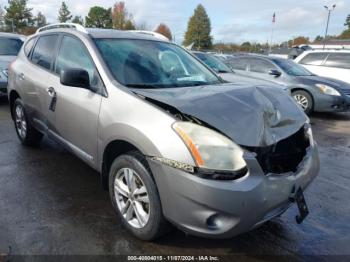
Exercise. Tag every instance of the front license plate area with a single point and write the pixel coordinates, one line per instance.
(303, 210)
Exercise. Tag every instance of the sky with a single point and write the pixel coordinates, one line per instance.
(233, 21)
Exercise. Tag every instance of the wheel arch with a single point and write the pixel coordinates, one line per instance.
(114, 149)
(12, 98)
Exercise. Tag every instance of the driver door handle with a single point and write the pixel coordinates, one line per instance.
(51, 91)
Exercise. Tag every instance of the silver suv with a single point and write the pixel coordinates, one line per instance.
(173, 143)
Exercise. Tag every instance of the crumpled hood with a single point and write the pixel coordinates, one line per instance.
(5, 61)
(252, 116)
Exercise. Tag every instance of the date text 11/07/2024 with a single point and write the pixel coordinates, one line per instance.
(173, 258)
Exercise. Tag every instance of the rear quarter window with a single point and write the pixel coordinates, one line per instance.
(340, 60)
(314, 59)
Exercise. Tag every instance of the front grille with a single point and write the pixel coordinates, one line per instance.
(284, 156)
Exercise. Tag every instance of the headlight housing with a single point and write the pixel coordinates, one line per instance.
(209, 149)
(328, 90)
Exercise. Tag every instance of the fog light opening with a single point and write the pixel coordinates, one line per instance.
(213, 222)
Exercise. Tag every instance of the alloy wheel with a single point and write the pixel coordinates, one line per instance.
(20, 120)
(302, 101)
(132, 197)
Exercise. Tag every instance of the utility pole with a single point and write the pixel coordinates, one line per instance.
(329, 15)
(272, 28)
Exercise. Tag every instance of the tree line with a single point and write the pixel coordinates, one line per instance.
(18, 17)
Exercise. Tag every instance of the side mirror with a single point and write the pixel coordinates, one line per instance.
(275, 73)
(75, 77)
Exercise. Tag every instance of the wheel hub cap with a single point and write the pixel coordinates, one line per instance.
(132, 197)
(21, 123)
(302, 101)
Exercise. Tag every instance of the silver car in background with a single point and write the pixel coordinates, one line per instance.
(10, 44)
(172, 142)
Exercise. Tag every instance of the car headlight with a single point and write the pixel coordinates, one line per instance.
(328, 90)
(210, 149)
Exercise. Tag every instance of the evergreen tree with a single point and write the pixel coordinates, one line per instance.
(2, 19)
(347, 21)
(99, 17)
(198, 30)
(64, 15)
(40, 20)
(78, 20)
(18, 15)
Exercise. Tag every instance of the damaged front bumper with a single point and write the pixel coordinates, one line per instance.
(327, 103)
(223, 209)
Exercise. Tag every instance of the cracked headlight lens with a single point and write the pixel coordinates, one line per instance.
(210, 149)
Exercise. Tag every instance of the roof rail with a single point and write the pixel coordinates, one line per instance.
(151, 33)
(78, 27)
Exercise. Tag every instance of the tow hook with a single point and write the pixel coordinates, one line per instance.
(302, 206)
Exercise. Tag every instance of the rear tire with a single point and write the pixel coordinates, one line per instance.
(26, 133)
(304, 100)
(141, 213)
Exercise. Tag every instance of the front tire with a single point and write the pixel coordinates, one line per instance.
(135, 197)
(26, 133)
(304, 100)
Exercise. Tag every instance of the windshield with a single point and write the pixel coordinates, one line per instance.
(10, 46)
(292, 68)
(152, 64)
(214, 63)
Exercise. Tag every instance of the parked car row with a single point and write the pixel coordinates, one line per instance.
(312, 92)
(174, 143)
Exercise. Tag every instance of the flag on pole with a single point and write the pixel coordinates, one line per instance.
(274, 18)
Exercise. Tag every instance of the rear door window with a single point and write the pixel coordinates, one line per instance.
(314, 59)
(260, 66)
(44, 51)
(340, 60)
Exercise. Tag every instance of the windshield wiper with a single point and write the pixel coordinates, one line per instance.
(150, 86)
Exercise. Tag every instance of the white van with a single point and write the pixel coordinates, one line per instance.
(327, 63)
